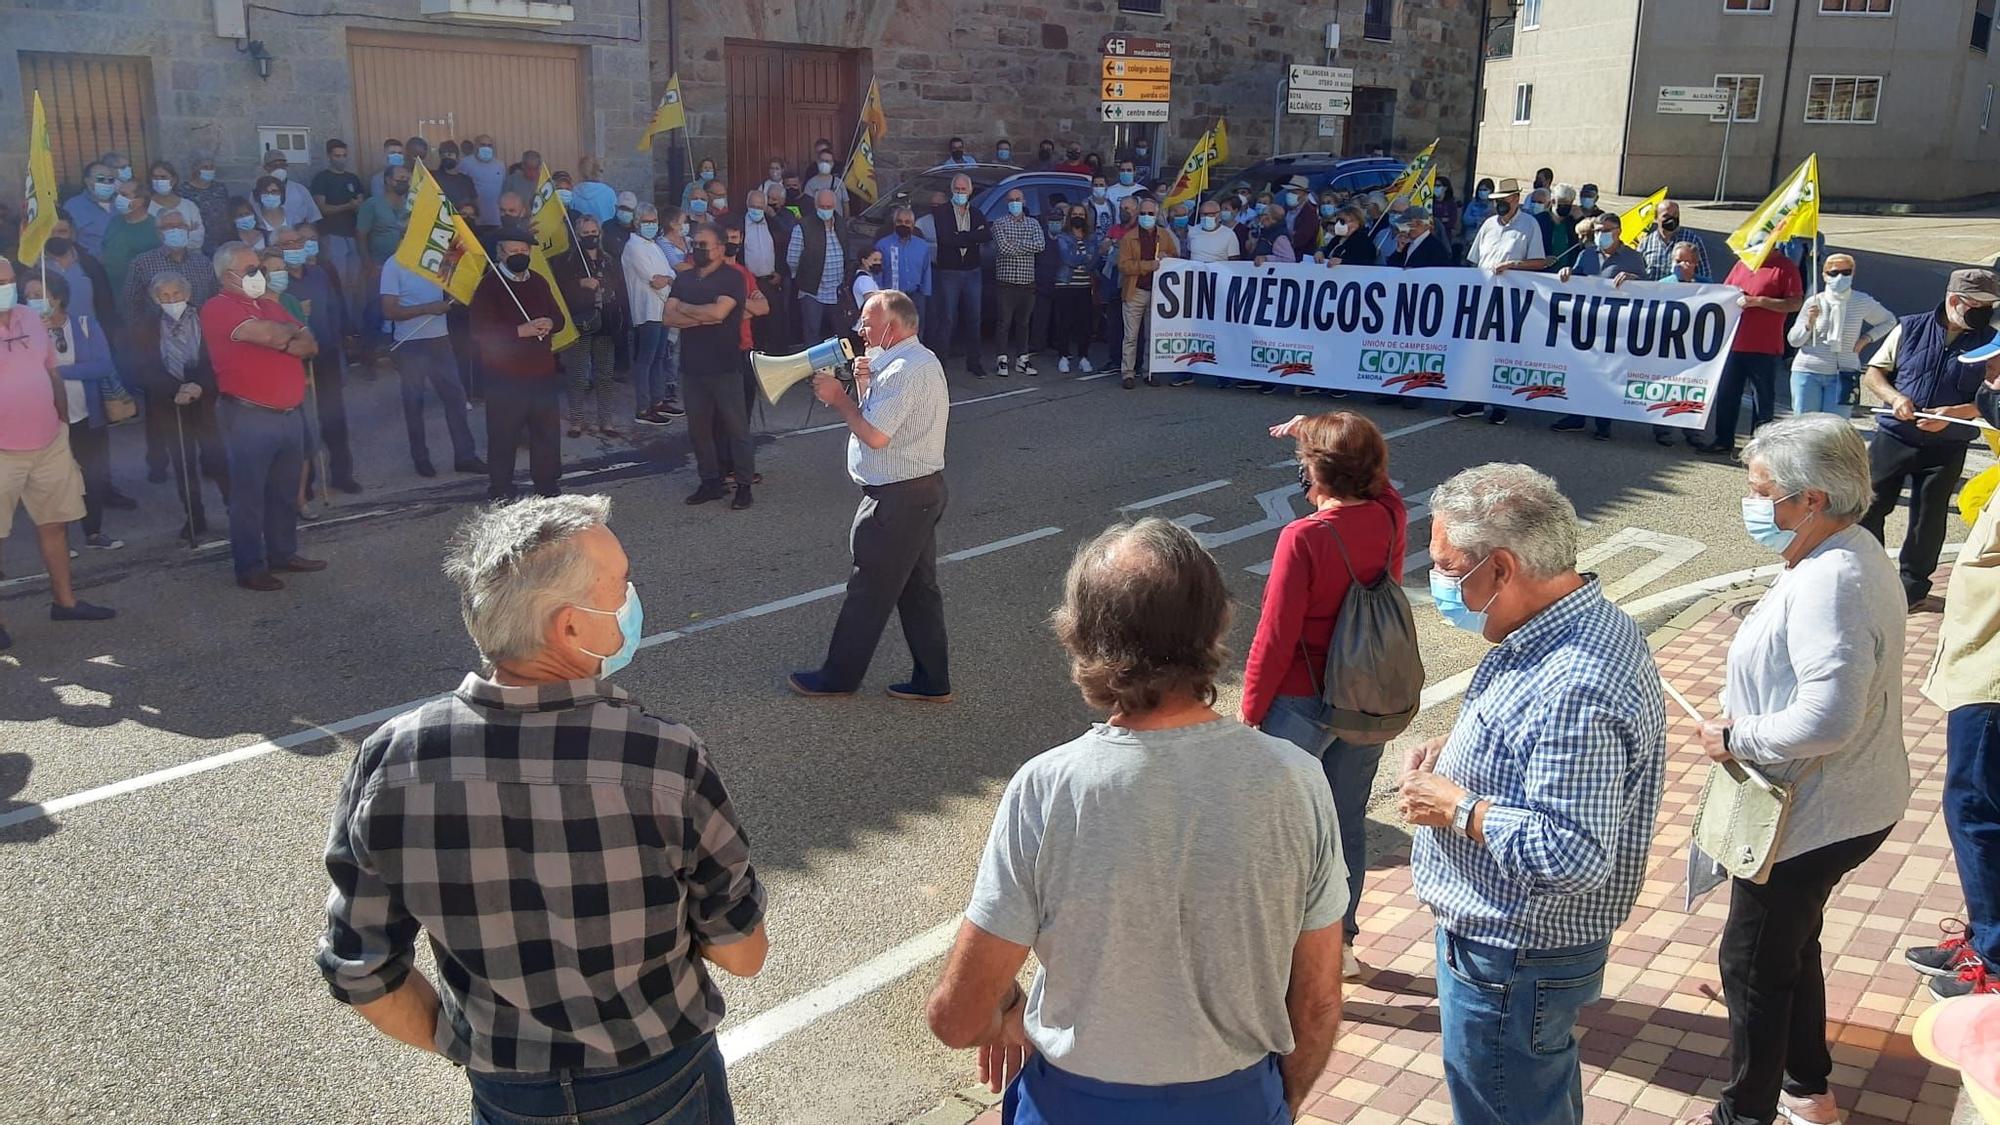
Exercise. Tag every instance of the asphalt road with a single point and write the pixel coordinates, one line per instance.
(158, 942)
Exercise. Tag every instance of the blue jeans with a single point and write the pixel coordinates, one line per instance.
(685, 1086)
(1817, 394)
(1350, 772)
(1045, 1095)
(421, 362)
(652, 366)
(957, 309)
(1508, 1018)
(1972, 817)
(266, 450)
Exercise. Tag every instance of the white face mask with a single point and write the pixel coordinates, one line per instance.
(1343, 228)
(279, 174)
(9, 294)
(254, 285)
(174, 309)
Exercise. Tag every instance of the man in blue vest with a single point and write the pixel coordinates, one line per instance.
(1918, 369)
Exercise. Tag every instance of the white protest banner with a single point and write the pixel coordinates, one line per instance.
(1641, 352)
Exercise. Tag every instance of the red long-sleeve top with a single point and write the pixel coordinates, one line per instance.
(1308, 582)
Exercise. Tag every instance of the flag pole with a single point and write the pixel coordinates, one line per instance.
(575, 240)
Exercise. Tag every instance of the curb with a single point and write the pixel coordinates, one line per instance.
(958, 1109)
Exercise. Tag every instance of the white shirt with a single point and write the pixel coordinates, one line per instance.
(642, 259)
(760, 253)
(1218, 245)
(864, 284)
(76, 398)
(1829, 348)
(411, 289)
(299, 204)
(908, 400)
(1117, 193)
(1516, 240)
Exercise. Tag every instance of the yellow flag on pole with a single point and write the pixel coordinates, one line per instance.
(1792, 211)
(38, 207)
(670, 115)
(539, 262)
(1413, 176)
(1221, 140)
(1194, 176)
(438, 246)
(551, 226)
(1428, 190)
(872, 115)
(1633, 224)
(860, 177)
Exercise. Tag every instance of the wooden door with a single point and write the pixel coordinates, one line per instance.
(782, 98)
(95, 104)
(528, 95)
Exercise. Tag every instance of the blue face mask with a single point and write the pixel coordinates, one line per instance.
(707, 175)
(485, 152)
(1606, 240)
(295, 257)
(269, 201)
(698, 206)
(649, 231)
(565, 195)
(1447, 595)
(755, 216)
(960, 199)
(825, 214)
(625, 215)
(1014, 206)
(1586, 201)
(1760, 519)
(1126, 178)
(1147, 222)
(280, 282)
(1055, 227)
(1180, 222)
(103, 191)
(246, 222)
(394, 160)
(38, 305)
(175, 237)
(312, 247)
(1208, 222)
(1328, 210)
(205, 175)
(631, 622)
(1004, 154)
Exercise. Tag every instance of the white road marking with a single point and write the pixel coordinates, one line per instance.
(760, 1031)
(579, 473)
(56, 805)
(1089, 378)
(1170, 497)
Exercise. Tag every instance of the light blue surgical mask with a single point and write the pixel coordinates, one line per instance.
(205, 175)
(1533, 208)
(103, 191)
(631, 623)
(280, 282)
(564, 194)
(176, 238)
(269, 201)
(706, 175)
(312, 247)
(246, 222)
(295, 257)
(1328, 210)
(649, 231)
(825, 214)
(125, 173)
(1586, 201)
(960, 199)
(1291, 199)
(1760, 519)
(625, 215)
(1229, 217)
(755, 216)
(485, 152)
(1840, 283)
(1126, 178)
(1015, 206)
(1004, 154)
(698, 206)
(1449, 597)
(122, 205)
(1148, 222)
(1606, 239)
(1208, 222)
(395, 160)
(38, 305)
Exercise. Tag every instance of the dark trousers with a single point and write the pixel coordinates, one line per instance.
(956, 304)
(330, 384)
(421, 363)
(685, 1086)
(194, 449)
(725, 454)
(1932, 473)
(1112, 308)
(1072, 313)
(894, 542)
(1972, 817)
(92, 450)
(1017, 312)
(458, 325)
(716, 418)
(767, 333)
(1774, 983)
(1740, 370)
(267, 451)
(817, 321)
(159, 424)
(516, 410)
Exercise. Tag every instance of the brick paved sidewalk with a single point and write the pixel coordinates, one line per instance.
(1656, 1047)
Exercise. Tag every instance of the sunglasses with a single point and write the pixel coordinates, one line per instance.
(1840, 273)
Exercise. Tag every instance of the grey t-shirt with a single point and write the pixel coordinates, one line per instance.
(1162, 878)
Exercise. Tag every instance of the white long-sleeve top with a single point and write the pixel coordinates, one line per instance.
(1828, 348)
(643, 258)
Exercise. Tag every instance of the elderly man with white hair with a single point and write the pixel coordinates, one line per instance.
(1536, 811)
(574, 859)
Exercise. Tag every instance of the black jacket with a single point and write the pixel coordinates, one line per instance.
(957, 249)
(1429, 253)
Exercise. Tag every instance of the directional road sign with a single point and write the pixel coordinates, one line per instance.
(1337, 79)
(1158, 70)
(1135, 47)
(1140, 112)
(1320, 103)
(1133, 90)
(1707, 101)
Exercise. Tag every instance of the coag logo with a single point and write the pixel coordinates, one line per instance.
(1530, 382)
(1394, 361)
(1666, 397)
(1282, 359)
(1185, 350)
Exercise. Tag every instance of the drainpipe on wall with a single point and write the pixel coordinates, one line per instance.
(676, 154)
(1631, 97)
(1784, 97)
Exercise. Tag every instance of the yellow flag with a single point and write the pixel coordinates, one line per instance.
(670, 115)
(546, 213)
(1633, 225)
(1193, 180)
(38, 208)
(860, 177)
(872, 115)
(1221, 140)
(1413, 176)
(539, 262)
(1428, 191)
(438, 246)
(1792, 211)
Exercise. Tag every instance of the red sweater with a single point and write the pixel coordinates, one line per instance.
(1307, 585)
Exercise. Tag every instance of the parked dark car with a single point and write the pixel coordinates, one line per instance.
(1321, 170)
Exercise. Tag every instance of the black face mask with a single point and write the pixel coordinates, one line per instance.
(906, 231)
(1076, 224)
(58, 247)
(700, 256)
(447, 163)
(518, 263)
(1670, 225)
(587, 241)
(732, 249)
(1978, 317)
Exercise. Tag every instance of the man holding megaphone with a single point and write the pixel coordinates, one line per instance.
(896, 454)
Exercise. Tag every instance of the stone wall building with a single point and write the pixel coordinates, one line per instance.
(228, 78)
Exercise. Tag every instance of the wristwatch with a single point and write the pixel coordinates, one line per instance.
(1461, 817)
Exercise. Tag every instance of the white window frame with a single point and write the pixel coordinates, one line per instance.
(1764, 11)
(1806, 111)
(1531, 14)
(295, 141)
(1986, 110)
(1524, 103)
(1819, 9)
(1734, 99)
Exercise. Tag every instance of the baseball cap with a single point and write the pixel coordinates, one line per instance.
(1980, 285)
(1963, 1033)
(628, 199)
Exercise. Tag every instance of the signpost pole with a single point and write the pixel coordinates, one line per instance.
(1722, 176)
(1278, 91)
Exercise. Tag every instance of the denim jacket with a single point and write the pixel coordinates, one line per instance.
(93, 367)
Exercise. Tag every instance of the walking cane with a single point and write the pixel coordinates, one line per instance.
(186, 466)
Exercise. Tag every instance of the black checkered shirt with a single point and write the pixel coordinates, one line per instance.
(566, 852)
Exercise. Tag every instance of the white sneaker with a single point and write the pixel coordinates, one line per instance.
(1062, 365)
(1001, 365)
(1083, 364)
(1025, 365)
(1350, 965)
(101, 542)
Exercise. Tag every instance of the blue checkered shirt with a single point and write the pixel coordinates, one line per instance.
(1564, 730)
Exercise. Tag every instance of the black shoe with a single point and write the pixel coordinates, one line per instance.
(669, 408)
(426, 469)
(81, 611)
(348, 485)
(157, 474)
(1497, 418)
(650, 418)
(1182, 379)
(6, 638)
(1665, 440)
(708, 491)
(1567, 426)
(909, 691)
(812, 684)
(1467, 410)
(742, 500)
(1151, 381)
(1714, 448)
(469, 465)
(1600, 435)
(120, 501)
(263, 581)
(975, 372)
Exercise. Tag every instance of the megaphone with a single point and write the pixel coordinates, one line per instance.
(777, 373)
